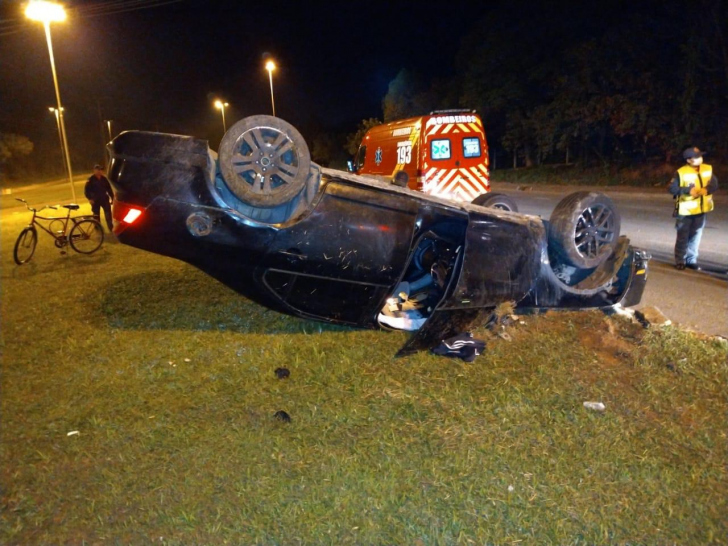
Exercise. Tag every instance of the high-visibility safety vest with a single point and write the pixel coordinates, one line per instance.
(687, 205)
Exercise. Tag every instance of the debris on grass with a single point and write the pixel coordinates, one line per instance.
(282, 373)
(502, 316)
(73, 433)
(596, 406)
(618, 310)
(282, 416)
(652, 316)
(463, 346)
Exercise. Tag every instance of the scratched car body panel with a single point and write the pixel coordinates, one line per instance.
(345, 247)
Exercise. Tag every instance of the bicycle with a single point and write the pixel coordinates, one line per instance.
(84, 236)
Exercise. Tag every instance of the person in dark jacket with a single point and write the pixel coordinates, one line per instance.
(693, 188)
(99, 193)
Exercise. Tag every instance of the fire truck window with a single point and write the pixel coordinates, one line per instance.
(361, 154)
(440, 149)
(471, 147)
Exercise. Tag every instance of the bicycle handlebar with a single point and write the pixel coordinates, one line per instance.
(32, 209)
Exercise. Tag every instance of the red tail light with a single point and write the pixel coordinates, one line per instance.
(132, 215)
(125, 215)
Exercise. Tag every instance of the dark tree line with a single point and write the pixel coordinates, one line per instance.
(612, 83)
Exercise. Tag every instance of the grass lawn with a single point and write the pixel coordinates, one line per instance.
(137, 401)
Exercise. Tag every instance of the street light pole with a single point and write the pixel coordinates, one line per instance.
(108, 125)
(60, 138)
(270, 66)
(221, 106)
(47, 12)
(47, 26)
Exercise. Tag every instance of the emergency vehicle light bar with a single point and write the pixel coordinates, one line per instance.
(453, 111)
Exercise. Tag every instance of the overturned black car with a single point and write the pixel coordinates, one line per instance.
(330, 246)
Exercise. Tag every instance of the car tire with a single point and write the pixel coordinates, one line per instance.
(264, 161)
(496, 201)
(401, 179)
(584, 229)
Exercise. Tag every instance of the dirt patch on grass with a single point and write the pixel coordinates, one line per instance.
(613, 350)
(605, 348)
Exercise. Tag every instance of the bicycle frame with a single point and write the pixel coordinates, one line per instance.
(61, 237)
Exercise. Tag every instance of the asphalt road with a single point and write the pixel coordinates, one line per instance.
(696, 300)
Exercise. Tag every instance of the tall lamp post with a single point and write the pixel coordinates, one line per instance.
(60, 137)
(47, 13)
(220, 105)
(270, 66)
(108, 126)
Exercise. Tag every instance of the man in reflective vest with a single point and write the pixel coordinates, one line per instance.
(693, 188)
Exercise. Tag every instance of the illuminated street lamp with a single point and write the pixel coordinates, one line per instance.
(47, 13)
(270, 66)
(60, 137)
(221, 106)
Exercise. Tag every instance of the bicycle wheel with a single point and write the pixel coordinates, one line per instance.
(86, 236)
(25, 245)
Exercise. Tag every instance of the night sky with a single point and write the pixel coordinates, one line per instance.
(161, 68)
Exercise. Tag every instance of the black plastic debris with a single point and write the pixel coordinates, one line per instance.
(282, 416)
(463, 346)
(504, 321)
(282, 373)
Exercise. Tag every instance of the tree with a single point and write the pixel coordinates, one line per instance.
(323, 149)
(610, 83)
(407, 97)
(354, 139)
(13, 150)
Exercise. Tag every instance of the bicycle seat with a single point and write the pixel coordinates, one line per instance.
(71, 207)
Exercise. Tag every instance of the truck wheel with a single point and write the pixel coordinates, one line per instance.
(264, 161)
(584, 229)
(496, 201)
(401, 179)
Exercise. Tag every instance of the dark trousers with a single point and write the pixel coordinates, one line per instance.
(96, 211)
(689, 231)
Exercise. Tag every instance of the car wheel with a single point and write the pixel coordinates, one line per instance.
(496, 201)
(401, 179)
(584, 229)
(264, 161)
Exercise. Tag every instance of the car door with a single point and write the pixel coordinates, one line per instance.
(342, 260)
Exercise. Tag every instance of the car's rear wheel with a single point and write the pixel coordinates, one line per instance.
(264, 161)
(496, 201)
(584, 229)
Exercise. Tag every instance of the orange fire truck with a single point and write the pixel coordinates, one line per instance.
(444, 154)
